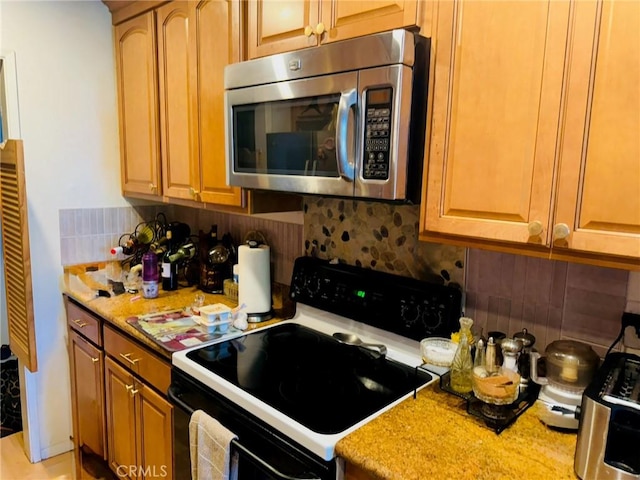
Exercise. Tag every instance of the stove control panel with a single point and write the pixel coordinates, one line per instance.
(408, 307)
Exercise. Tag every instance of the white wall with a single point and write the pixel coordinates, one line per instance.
(68, 115)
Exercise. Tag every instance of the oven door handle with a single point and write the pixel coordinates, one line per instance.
(272, 470)
(173, 397)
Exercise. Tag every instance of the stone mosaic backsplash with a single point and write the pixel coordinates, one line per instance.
(380, 236)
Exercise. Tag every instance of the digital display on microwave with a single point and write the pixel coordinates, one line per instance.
(379, 96)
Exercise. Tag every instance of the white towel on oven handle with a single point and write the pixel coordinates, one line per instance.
(210, 449)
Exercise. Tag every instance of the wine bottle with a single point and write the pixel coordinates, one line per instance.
(169, 269)
(159, 247)
(179, 232)
(185, 252)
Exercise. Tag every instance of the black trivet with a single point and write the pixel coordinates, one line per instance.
(495, 417)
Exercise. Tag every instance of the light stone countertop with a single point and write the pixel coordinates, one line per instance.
(430, 437)
(80, 286)
(433, 437)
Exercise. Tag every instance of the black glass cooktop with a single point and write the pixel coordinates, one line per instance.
(321, 383)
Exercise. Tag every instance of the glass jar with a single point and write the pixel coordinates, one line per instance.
(462, 365)
(150, 275)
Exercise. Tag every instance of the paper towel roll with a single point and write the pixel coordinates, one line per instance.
(254, 287)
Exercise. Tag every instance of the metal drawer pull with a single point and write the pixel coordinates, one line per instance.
(94, 360)
(132, 391)
(80, 323)
(127, 356)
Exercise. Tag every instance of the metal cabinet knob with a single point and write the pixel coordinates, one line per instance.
(320, 29)
(561, 231)
(308, 31)
(535, 228)
(132, 391)
(153, 188)
(193, 192)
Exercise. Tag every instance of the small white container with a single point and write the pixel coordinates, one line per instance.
(219, 326)
(217, 312)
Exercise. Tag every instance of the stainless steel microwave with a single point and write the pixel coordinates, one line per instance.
(344, 119)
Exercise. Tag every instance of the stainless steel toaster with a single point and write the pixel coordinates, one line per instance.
(608, 444)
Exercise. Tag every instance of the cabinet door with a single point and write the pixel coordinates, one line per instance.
(496, 107)
(353, 18)
(121, 421)
(276, 26)
(177, 128)
(599, 183)
(214, 43)
(156, 433)
(87, 373)
(138, 105)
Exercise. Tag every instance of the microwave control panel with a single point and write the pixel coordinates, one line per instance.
(377, 134)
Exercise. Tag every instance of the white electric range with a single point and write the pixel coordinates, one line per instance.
(291, 391)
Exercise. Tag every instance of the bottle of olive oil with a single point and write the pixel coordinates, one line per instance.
(462, 365)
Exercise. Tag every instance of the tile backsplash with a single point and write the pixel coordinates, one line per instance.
(552, 299)
(504, 292)
(87, 235)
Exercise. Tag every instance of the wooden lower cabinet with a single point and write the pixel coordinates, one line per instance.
(139, 425)
(353, 472)
(87, 397)
(121, 419)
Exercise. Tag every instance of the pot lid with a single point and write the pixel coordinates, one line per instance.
(525, 337)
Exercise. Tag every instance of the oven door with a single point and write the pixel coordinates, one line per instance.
(294, 136)
(263, 453)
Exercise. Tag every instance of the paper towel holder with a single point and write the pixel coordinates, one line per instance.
(255, 240)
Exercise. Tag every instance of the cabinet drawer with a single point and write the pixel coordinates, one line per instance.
(150, 368)
(84, 323)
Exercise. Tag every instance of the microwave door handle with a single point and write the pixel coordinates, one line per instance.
(348, 100)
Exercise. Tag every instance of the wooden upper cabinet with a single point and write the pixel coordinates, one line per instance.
(344, 19)
(599, 182)
(534, 136)
(138, 105)
(496, 107)
(196, 40)
(177, 134)
(215, 43)
(279, 26)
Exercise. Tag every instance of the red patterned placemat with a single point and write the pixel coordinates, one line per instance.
(175, 330)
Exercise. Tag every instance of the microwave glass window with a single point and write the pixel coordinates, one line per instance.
(287, 137)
